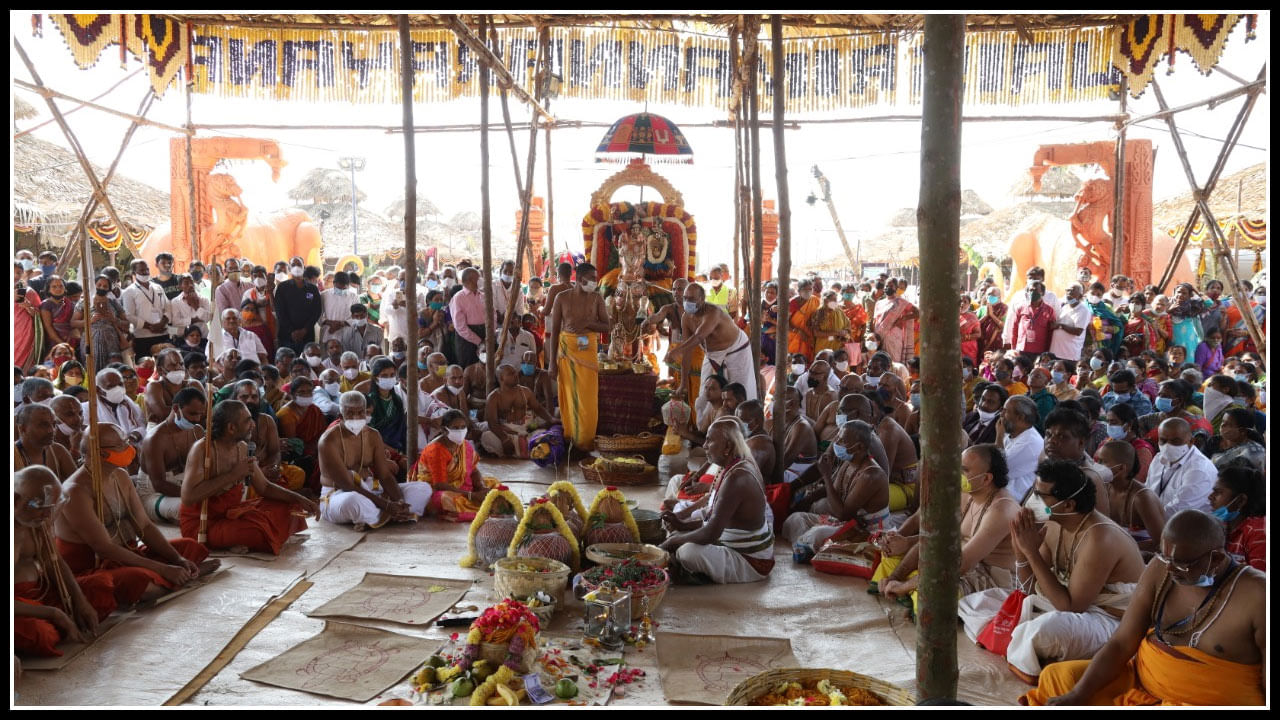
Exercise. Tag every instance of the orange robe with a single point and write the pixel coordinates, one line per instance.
(129, 582)
(33, 636)
(260, 524)
(799, 336)
(1160, 675)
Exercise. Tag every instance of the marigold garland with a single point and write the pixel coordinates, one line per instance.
(542, 505)
(564, 486)
(509, 622)
(616, 494)
(501, 491)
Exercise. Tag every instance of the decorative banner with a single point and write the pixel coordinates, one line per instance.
(1143, 42)
(88, 35)
(158, 41)
(1253, 232)
(108, 236)
(638, 65)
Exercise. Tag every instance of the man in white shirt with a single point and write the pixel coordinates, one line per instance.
(189, 308)
(1118, 294)
(502, 294)
(327, 392)
(519, 341)
(115, 406)
(1073, 318)
(1016, 435)
(337, 302)
(147, 309)
(201, 279)
(1180, 474)
(1018, 299)
(234, 336)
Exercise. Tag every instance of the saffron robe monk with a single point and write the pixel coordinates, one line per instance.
(259, 525)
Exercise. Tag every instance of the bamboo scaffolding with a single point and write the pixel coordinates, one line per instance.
(410, 237)
(1117, 229)
(81, 106)
(784, 217)
(49, 94)
(495, 64)
(939, 230)
(551, 225)
(486, 227)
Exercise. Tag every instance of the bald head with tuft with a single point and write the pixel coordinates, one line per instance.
(1193, 533)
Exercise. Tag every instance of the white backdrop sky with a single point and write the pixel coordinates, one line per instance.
(873, 167)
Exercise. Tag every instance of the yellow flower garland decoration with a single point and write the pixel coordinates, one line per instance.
(616, 494)
(565, 486)
(561, 527)
(501, 491)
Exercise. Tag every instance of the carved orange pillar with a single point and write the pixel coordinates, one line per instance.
(537, 236)
(1139, 169)
(770, 223)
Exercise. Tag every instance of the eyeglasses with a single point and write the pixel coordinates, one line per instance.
(1181, 568)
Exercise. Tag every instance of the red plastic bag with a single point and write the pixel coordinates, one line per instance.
(996, 635)
(778, 496)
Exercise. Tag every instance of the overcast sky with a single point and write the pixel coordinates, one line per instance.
(873, 167)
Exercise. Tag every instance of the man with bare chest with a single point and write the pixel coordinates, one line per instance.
(171, 377)
(577, 319)
(817, 394)
(358, 484)
(853, 487)
(511, 412)
(899, 450)
(727, 348)
(452, 395)
(537, 381)
(35, 446)
(164, 456)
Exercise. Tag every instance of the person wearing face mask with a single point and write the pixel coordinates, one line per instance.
(837, 412)
(385, 408)
(992, 316)
(853, 486)
(1174, 401)
(577, 318)
(1060, 380)
(831, 327)
(352, 377)
(164, 456)
(243, 340)
(266, 434)
(1208, 355)
(188, 308)
(361, 332)
(448, 465)
(68, 423)
(47, 267)
(328, 388)
(1186, 310)
(1239, 501)
(1033, 323)
(1238, 440)
(980, 425)
(115, 406)
(123, 541)
(726, 347)
(511, 412)
(503, 291)
(336, 307)
(519, 341)
(1021, 443)
(452, 395)
(1109, 330)
(1192, 635)
(1038, 391)
(537, 381)
(987, 508)
(1070, 325)
(1019, 295)
(720, 293)
(1079, 567)
(467, 310)
(371, 299)
(302, 420)
(159, 397)
(1124, 390)
(1180, 474)
(1219, 395)
(358, 479)
(259, 293)
(1132, 505)
(298, 307)
(36, 425)
(230, 293)
(895, 324)
(1122, 425)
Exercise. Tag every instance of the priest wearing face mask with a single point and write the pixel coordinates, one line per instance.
(36, 425)
(115, 406)
(164, 456)
(853, 486)
(1077, 565)
(358, 481)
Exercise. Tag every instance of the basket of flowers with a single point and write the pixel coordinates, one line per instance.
(505, 635)
(816, 687)
(645, 582)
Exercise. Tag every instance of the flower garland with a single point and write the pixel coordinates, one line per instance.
(540, 505)
(501, 491)
(510, 622)
(612, 492)
(564, 486)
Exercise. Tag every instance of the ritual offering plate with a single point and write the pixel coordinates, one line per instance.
(523, 577)
(817, 687)
(647, 584)
(616, 553)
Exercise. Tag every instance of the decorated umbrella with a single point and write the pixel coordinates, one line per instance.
(644, 134)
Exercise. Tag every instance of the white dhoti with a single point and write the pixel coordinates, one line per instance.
(519, 439)
(347, 507)
(735, 364)
(814, 528)
(738, 557)
(1045, 635)
(160, 508)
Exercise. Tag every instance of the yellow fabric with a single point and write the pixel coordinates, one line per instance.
(578, 381)
(889, 563)
(1160, 675)
(901, 496)
(349, 385)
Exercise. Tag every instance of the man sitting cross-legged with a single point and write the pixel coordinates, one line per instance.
(853, 487)
(358, 484)
(735, 542)
(164, 456)
(113, 532)
(511, 412)
(213, 497)
(1194, 633)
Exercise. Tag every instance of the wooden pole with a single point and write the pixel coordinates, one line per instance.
(784, 213)
(486, 228)
(1251, 89)
(739, 247)
(193, 210)
(487, 58)
(94, 456)
(551, 225)
(410, 236)
(80, 106)
(1118, 264)
(1220, 247)
(74, 142)
(48, 94)
(938, 222)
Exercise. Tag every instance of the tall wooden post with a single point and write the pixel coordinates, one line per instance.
(486, 226)
(551, 225)
(784, 222)
(410, 234)
(193, 230)
(938, 223)
(1118, 264)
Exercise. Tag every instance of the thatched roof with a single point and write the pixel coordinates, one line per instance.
(375, 233)
(427, 210)
(971, 204)
(23, 110)
(990, 235)
(1060, 181)
(322, 186)
(1244, 192)
(50, 189)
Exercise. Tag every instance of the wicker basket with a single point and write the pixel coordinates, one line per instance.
(647, 445)
(544, 613)
(614, 553)
(509, 581)
(605, 477)
(757, 685)
(655, 595)
(649, 523)
(496, 654)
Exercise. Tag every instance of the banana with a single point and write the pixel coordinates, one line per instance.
(508, 694)
(496, 701)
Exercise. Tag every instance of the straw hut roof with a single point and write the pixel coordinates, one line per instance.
(1243, 192)
(375, 233)
(971, 205)
(427, 210)
(50, 190)
(1059, 182)
(323, 186)
(23, 110)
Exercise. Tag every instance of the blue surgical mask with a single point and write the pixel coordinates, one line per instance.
(1059, 377)
(1241, 377)
(915, 400)
(841, 419)
(28, 264)
(690, 307)
(1225, 515)
(993, 299)
(47, 270)
(527, 369)
(1164, 404)
(1116, 432)
(1121, 397)
(840, 452)
(183, 423)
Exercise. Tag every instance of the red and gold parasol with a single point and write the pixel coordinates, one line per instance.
(652, 137)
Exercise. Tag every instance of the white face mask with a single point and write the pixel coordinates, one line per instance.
(588, 286)
(386, 383)
(314, 360)
(351, 373)
(457, 435)
(797, 368)
(872, 380)
(117, 394)
(282, 277)
(832, 305)
(841, 420)
(842, 365)
(1173, 454)
(295, 271)
(453, 389)
(66, 429)
(355, 426)
(985, 416)
(142, 279)
(304, 401)
(483, 357)
(507, 278)
(358, 323)
(333, 389)
(175, 376)
(871, 345)
(260, 282)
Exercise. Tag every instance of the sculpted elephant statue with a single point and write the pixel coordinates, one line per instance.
(264, 239)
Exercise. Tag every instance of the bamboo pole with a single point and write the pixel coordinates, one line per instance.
(1118, 264)
(487, 58)
(48, 94)
(1220, 247)
(73, 246)
(784, 213)
(94, 456)
(551, 225)
(193, 211)
(522, 245)
(486, 228)
(939, 231)
(1252, 89)
(80, 106)
(410, 236)
(739, 247)
(193, 228)
(74, 142)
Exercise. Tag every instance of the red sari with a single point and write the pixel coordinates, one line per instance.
(992, 337)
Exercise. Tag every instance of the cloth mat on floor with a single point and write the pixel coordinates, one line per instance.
(704, 669)
(70, 650)
(404, 599)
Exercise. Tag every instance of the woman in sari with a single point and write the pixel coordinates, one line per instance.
(857, 315)
(1108, 328)
(28, 329)
(1186, 311)
(1163, 323)
(1140, 331)
(970, 330)
(449, 464)
(991, 316)
(830, 325)
(769, 324)
(386, 409)
(55, 314)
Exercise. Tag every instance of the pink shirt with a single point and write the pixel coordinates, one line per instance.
(467, 308)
